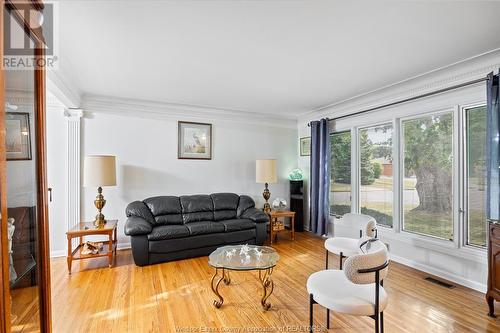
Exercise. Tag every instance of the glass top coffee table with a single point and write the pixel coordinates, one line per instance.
(243, 258)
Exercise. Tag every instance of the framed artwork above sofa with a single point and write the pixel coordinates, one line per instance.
(195, 141)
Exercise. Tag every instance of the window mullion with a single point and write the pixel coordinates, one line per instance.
(355, 188)
(397, 177)
(457, 183)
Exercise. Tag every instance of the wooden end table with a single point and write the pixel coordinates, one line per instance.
(88, 229)
(276, 226)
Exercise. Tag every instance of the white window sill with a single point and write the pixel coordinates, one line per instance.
(439, 245)
(443, 246)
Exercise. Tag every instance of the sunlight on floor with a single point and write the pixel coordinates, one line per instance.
(109, 314)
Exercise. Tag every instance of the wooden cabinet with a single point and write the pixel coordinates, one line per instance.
(493, 292)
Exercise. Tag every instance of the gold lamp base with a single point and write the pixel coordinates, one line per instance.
(99, 203)
(266, 194)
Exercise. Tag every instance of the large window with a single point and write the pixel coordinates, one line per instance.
(428, 175)
(375, 170)
(340, 180)
(475, 120)
(439, 161)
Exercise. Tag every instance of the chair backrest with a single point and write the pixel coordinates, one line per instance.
(366, 223)
(373, 254)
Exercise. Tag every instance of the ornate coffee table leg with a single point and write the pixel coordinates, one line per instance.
(215, 287)
(268, 286)
(225, 275)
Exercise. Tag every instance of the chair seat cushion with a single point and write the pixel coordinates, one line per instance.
(168, 232)
(332, 290)
(204, 227)
(237, 225)
(348, 246)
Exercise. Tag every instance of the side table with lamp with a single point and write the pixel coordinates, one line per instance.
(99, 170)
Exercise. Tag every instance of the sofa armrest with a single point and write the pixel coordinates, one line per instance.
(135, 226)
(255, 215)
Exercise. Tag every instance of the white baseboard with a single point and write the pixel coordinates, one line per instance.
(440, 273)
(123, 246)
(58, 253)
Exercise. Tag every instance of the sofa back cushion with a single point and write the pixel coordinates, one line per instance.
(165, 209)
(225, 205)
(197, 208)
(139, 209)
(245, 203)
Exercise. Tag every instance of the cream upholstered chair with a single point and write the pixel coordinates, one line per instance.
(344, 246)
(357, 290)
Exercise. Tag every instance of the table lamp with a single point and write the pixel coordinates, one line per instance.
(99, 170)
(265, 173)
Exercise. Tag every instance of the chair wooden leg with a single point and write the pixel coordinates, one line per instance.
(382, 322)
(311, 303)
(326, 264)
(328, 318)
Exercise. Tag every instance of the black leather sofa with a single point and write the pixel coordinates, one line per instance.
(169, 228)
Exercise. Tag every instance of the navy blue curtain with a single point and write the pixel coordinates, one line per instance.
(493, 149)
(320, 177)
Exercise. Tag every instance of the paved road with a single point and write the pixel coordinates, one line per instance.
(476, 196)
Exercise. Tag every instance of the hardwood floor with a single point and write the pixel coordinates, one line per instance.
(176, 297)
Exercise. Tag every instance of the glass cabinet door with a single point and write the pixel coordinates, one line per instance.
(21, 155)
(22, 184)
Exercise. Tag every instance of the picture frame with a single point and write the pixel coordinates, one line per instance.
(18, 136)
(194, 141)
(305, 146)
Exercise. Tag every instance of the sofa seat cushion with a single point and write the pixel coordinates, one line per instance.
(168, 232)
(202, 241)
(191, 242)
(237, 225)
(204, 227)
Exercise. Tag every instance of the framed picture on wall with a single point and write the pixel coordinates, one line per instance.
(195, 141)
(18, 136)
(305, 146)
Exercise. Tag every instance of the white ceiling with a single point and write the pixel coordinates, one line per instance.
(278, 57)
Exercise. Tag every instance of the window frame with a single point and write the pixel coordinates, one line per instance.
(352, 179)
(358, 169)
(464, 193)
(455, 205)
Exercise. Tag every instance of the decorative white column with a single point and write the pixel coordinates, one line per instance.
(73, 117)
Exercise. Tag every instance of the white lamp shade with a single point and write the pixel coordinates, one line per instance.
(265, 171)
(99, 170)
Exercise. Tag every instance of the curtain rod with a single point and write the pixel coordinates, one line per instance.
(409, 99)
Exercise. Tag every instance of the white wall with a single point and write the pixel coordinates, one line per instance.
(147, 164)
(57, 176)
(450, 260)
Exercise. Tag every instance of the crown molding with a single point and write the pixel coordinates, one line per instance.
(161, 110)
(63, 89)
(460, 72)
